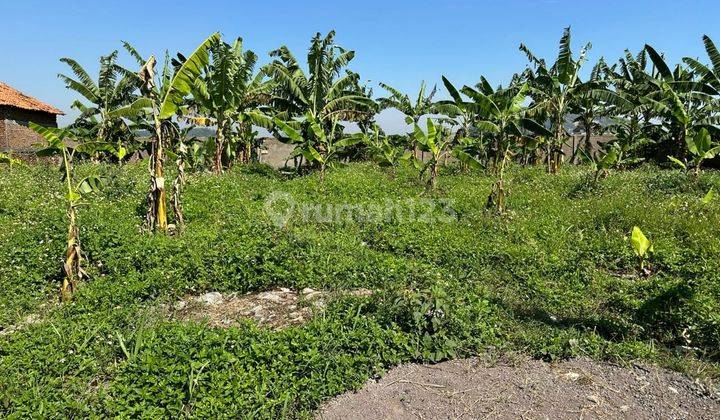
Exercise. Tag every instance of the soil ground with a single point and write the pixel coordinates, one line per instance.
(579, 388)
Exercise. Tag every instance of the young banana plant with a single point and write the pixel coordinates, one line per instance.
(321, 147)
(701, 147)
(60, 142)
(382, 151)
(437, 141)
(642, 247)
(603, 161)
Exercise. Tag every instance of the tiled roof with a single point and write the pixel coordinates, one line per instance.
(15, 98)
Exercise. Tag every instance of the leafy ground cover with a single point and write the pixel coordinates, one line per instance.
(554, 278)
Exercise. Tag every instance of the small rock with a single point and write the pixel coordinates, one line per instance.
(296, 317)
(211, 299)
(673, 390)
(361, 292)
(179, 306)
(285, 290)
(312, 294)
(270, 296)
(594, 398)
(307, 291)
(573, 376)
(624, 408)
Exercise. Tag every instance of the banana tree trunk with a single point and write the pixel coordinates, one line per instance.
(71, 268)
(177, 189)
(219, 146)
(556, 148)
(432, 182)
(157, 209)
(247, 158)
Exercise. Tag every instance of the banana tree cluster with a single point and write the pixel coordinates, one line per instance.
(328, 94)
(166, 99)
(232, 97)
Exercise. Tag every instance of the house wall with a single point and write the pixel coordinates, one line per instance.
(15, 135)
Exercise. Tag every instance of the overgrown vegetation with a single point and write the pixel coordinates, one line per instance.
(554, 277)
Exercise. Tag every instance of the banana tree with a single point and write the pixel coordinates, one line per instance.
(61, 142)
(382, 151)
(413, 110)
(701, 147)
(589, 107)
(229, 93)
(501, 114)
(109, 102)
(683, 104)
(553, 90)
(324, 92)
(165, 100)
(323, 147)
(437, 140)
(463, 112)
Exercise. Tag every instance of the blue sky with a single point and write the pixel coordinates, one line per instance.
(397, 42)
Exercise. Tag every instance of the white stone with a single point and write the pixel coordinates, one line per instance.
(270, 296)
(573, 376)
(211, 298)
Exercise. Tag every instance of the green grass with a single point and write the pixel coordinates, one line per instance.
(553, 278)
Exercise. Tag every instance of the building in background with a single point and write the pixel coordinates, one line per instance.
(16, 111)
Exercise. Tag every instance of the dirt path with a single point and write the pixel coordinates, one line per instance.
(579, 388)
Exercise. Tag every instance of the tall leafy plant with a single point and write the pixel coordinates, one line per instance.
(323, 147)
(553, 88)
(60, 142)
(108, 102)
(233, 96)
(412, 109)
(328, 91)
(165, 101)
(437, 140)
(701, 147)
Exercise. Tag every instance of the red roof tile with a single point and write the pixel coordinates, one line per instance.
(15, 98)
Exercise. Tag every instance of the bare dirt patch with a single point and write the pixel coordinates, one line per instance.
(579, 388)
(25, 322)
(274, 309)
